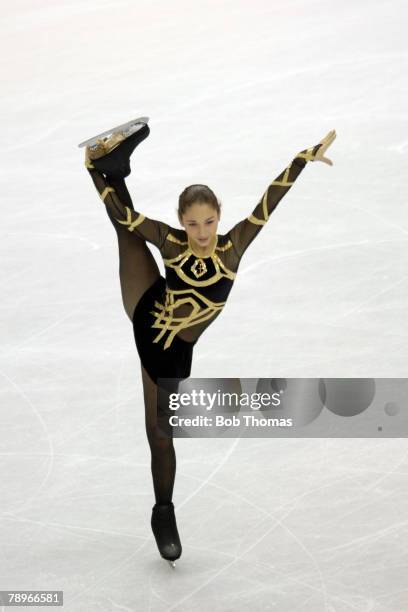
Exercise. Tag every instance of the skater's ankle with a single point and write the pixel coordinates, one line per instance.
(163, 504)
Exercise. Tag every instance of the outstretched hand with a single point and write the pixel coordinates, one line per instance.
(325, 142)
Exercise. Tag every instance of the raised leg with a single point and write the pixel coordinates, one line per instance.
(138, 269)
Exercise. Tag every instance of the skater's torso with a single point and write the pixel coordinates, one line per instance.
(197, 287)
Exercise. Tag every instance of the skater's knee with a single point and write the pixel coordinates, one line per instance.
(160, 439)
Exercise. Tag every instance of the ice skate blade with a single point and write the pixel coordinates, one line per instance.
(172, 563)
(124, 127)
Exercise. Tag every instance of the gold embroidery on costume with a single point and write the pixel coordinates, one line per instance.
(198, 268)
(225, 247)
(174, 239)
(129, 222)
(283, 183)
(105, 192)
(308, 156)
(202, 308)
(166, 321)
(220, 269)
(256, 221)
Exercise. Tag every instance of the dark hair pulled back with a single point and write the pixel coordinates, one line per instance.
(197, 193)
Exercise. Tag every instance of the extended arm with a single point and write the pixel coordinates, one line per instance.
(244, 232)
(121, 215)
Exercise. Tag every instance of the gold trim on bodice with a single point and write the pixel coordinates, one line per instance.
(166, 321)
(199, 267)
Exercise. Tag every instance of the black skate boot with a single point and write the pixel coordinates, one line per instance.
(111, 156)
(165, 531)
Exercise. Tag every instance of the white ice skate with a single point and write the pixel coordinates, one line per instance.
(126, 129)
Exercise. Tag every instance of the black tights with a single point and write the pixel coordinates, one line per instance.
(138, 270)
(159, 434)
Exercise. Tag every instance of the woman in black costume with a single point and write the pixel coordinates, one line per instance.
(169, 314)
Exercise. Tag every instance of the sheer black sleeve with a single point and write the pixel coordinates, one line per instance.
(242, 234)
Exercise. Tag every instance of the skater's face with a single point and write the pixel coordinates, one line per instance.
(200, 222)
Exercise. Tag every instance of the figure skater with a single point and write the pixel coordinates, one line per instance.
(170, 314)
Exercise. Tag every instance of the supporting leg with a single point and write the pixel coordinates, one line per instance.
(163, 462)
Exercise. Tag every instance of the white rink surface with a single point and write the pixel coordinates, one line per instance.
(233, 90)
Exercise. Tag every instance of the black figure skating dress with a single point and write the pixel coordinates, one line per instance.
(175, 310)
